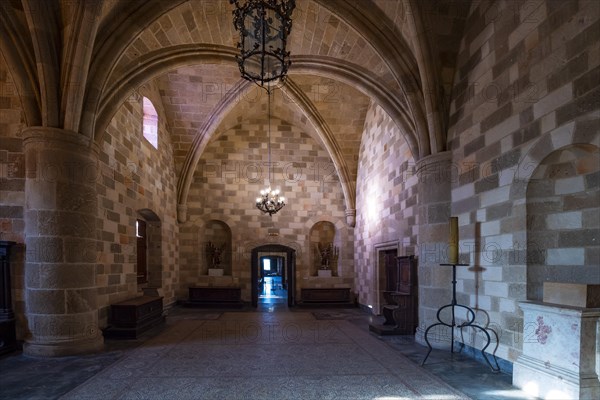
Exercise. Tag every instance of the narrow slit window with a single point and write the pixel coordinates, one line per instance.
(150, 122)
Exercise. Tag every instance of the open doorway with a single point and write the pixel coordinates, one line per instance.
(273, 273)
(272, 280)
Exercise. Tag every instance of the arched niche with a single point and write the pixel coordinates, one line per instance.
(323, 235)
(563, 219)
(218, 234)
(148, 249)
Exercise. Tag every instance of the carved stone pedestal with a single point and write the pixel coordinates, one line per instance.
(559, 352)
(215, 272)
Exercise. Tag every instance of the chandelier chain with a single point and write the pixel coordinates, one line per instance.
(269, 129)
(264, 26)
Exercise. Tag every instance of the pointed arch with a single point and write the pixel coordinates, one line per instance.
(162, 60)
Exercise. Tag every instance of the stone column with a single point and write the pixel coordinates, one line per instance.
(434, 205)
(60, 229)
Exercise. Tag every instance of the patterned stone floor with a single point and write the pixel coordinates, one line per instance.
(270, 354)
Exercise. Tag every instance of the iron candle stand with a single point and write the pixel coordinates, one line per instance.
(453, 324)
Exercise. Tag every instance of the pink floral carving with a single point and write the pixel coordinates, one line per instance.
(542, 330)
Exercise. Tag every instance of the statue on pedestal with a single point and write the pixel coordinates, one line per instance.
(213, 254)
(329, 255)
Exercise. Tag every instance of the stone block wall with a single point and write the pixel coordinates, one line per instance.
(386, 198)
(526, 85)
(232, 171)
(134, 176)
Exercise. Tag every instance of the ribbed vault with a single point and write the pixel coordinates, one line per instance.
(395, 54)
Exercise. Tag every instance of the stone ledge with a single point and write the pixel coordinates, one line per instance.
(572, 294)
(560, 309)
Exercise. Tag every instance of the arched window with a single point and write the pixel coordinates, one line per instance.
(150, 122)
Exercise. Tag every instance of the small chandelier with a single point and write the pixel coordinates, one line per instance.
(264, 26)
(270, 201)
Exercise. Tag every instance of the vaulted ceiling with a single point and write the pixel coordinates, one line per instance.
(346, 54)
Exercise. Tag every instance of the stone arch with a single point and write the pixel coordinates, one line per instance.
(153, 247)
(163, 60)
(565, 135)
(563, 219)
(364, 19)
(193, 248)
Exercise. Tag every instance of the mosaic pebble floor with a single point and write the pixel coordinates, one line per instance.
(269, 353)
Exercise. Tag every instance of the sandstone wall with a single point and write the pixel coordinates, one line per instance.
(386, 198)
(134, 177)
(526, 85)
(230, 174)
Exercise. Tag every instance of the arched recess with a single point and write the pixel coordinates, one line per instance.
(218, 234)
(150, 241)
(323, 237)
(563, 219)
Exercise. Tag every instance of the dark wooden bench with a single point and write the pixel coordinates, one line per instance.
(401, 308)
(214, 296)
(130, 318)
(325, 297)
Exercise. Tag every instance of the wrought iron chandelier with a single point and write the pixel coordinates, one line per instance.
(264, 26)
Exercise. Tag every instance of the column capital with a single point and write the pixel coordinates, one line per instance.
(51, 135)
(351, 217)
(434, 159)
(182, 213)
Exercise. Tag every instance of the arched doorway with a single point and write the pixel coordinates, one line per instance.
(288, 273)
